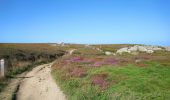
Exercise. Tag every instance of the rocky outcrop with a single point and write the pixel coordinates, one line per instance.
(167, 48)
(123, 50)
(139, 48)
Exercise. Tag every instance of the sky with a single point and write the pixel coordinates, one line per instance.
(85, 21)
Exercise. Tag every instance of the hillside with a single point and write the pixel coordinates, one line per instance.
(90, 72)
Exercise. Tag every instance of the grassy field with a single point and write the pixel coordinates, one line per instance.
(91, 75)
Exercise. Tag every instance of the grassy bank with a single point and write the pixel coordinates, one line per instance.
(118, 83)
(88, 75)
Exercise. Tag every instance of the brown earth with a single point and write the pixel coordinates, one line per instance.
(39, 85)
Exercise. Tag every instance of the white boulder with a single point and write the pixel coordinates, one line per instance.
(153, 48)
(122, 50)
(140, 48)
(167, 48)
(108, 53)
(157, 49)
(149, 51)
(133, 49)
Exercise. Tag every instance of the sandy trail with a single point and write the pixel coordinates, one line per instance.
(40, 85)
(72, 51)
(9, 91)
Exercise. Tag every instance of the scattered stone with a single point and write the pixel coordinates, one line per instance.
(149, 51)
(139, 48)
(108, 53)
(122, 50)
(133, 49)
(142, 48)
(137, 61)
(167, 48)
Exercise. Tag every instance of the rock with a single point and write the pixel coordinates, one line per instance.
(149, 51)
(108, 53)
(133, 49)
(122, 50)
(142, 49)
(154, 48)
(167, 48)
(137, 60)
(139, 48)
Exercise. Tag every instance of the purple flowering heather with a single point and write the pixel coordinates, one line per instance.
(110, 61)
(98, 63)
(73, 59)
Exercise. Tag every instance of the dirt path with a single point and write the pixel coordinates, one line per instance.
(39, 85)
(72, 51)
(9, 91)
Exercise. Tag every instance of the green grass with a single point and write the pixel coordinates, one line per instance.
(125, 83)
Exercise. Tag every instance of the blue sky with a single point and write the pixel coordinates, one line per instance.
(85, 21)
